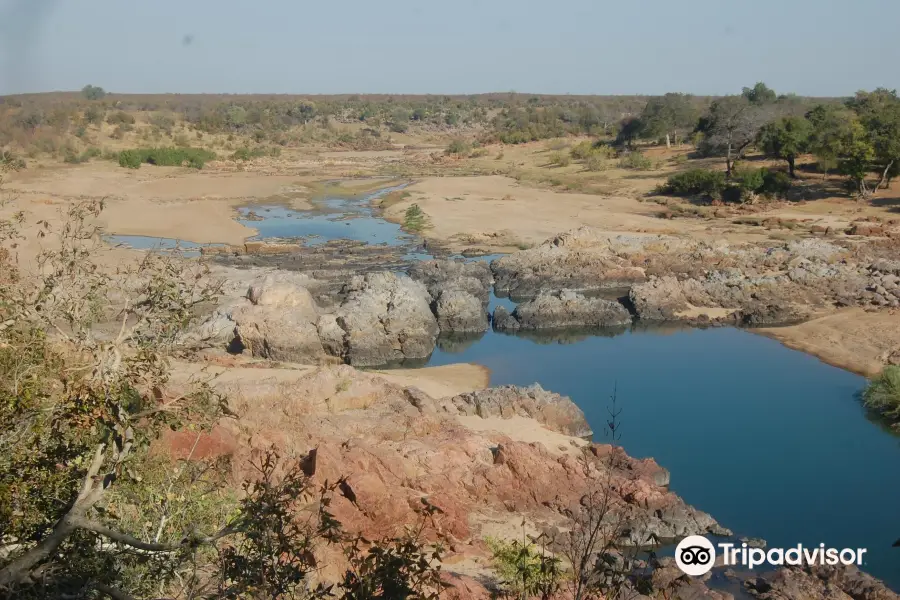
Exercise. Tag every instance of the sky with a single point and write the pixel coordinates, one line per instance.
(714, 47)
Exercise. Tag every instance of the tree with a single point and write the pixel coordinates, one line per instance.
(879, 113)
(785, 139)
(732, 126)
(831, 127)
(93, 92)
(629, 130)
(668, 116)
(400, 120)
(759, 94)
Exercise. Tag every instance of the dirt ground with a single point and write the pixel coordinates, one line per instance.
(853, 338)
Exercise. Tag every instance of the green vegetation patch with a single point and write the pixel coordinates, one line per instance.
(883, 393)
(415, 219)
(165, 157)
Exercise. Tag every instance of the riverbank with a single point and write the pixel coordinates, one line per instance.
(853, 339)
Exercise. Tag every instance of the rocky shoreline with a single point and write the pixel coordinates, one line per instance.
(339, 301)
(492, 460)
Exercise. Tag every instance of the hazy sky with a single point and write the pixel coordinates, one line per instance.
(811, 47)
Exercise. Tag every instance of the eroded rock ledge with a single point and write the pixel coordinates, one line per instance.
(396, 444)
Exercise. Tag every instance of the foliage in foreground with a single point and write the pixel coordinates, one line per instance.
(165, 157)
(883, 393)
(86, 510)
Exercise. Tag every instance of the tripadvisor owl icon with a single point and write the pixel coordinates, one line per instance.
(695, 555)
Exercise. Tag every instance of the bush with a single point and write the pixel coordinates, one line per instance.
(120, 131)
(635, 160)
(560, 159)
(130, 159)
(776, 183)
(746, 183)
(695, 182)
(459, 147)
(73, 158)
(10, 160)
(883, 393)
(524, 569)
(582, 151)
(165, 157)
(120, 118)
(246, 154)
(163, 122)
(595, 162)
(415, 218)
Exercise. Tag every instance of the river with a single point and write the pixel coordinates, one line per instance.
(772, 442)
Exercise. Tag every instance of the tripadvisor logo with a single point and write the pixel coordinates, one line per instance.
(695, 555)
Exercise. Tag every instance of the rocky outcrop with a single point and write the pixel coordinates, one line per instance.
(385, 318)
(459, 311)
(583, 259)
(563, 309)
(443, 275)
(459, 292)
(397, 445)
(273, 317)
(552, 410)
(278, 323)
(723, 298)
(883, 287)
(819, 583)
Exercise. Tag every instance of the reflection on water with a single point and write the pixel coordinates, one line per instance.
(331, 218)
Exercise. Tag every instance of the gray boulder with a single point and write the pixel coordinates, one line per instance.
(443, 275)
(563, 309)
(460, 311)
(385, 318)
(278, 323)
(555, 412)
(503, 320)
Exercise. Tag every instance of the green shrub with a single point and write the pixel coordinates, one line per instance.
(524, 569)
(93, 115)
(130, 159)
(582, 151)
(776, 184)
(883, 393)
(695, 182)
(415, 218)
(560, 159)
(459, 147)
(165, 157)
(745, 183)
(635, 160)
(596, 162)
